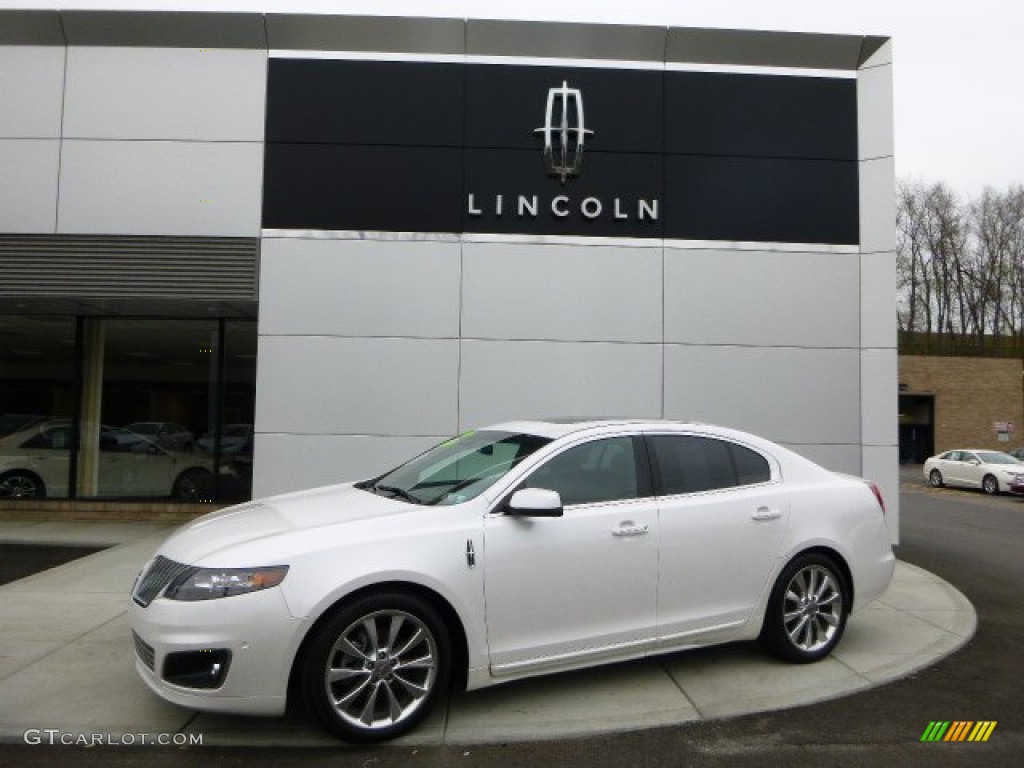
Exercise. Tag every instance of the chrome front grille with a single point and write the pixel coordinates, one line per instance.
(144, 651)
(155, 579)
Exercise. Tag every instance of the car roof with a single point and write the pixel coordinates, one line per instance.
(556, 427)
(974, 450)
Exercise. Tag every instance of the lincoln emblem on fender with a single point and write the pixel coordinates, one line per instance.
(564, 132)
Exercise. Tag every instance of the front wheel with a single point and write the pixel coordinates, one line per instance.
(935, 479)
(376, 667)
(990, 485)
(807, 610)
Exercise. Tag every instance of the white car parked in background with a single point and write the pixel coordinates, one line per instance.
(516, 550)
(991, 471)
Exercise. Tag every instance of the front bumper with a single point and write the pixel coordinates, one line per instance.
(256, 630)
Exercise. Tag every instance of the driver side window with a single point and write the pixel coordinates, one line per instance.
(601, 470)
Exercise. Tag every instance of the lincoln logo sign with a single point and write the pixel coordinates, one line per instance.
(564, 133)
(563, 141)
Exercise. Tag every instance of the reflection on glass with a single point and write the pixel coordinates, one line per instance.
(37, 375)
(164, 413)
(157, 377)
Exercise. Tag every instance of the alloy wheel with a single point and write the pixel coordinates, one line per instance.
(812, 608)
(381, 669)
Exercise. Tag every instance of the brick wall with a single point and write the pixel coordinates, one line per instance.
(970, 394)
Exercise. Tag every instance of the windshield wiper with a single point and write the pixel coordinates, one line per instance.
(399, 492)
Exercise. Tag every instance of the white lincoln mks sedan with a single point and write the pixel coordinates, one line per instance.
(514, 550)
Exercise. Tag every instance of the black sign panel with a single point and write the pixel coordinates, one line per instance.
(362, 188)
(430, 147)
(775, 200)
(364, 102)
(731, 115)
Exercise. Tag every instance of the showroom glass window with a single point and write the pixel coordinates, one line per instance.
(691, 464)
(165, 429)
(598, 471)
(37, 387)
(126, 408)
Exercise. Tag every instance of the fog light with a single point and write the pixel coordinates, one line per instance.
(206, 668)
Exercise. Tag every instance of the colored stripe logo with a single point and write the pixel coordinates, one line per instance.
(958, 730)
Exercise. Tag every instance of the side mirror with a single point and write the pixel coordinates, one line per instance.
(535, 502)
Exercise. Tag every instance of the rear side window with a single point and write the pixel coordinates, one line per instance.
(690, 464)
(751, 467)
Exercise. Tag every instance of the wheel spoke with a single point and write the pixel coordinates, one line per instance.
(812, 575)
(826, 586)
(795, 632)
(396, 625)
(352, 695)
(370, 627)
(366, 716)
(347, 647)
(412, 642)
(337, 674)
(394, 706)
(829, 618)
(830, 600)
(423, 662)
(414, 690)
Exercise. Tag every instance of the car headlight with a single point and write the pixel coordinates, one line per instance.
(210, 583)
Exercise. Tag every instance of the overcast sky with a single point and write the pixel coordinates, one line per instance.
(959, 66)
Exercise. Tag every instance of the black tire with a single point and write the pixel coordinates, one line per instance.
(193, 485)
(21, 484)
(990, 485)
(935, 479)
(377, 692)
(807, 610)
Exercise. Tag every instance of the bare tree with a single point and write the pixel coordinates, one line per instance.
(961, 266)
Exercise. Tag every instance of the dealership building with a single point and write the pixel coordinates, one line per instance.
(297, 249)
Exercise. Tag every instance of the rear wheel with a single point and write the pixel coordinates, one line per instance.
(376, 667)
(19, 484)
(807, 610)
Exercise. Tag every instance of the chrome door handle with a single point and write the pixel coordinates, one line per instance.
(630, 530)
(766, 513)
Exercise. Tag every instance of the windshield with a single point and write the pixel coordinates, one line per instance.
(997, 457)
(457, 470)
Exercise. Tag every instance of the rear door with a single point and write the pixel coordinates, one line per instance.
(723, 514)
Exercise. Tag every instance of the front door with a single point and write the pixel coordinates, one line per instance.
(583, 585)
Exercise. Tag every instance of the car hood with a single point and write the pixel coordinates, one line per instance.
(276, 517)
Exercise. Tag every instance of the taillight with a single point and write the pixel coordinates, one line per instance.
(878, 495)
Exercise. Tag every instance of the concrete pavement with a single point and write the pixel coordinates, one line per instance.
(67, 664)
